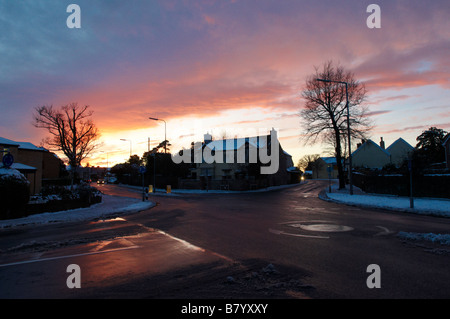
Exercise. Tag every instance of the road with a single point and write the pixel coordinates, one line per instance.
(279, 244)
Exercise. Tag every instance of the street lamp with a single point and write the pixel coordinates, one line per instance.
(107, 160)
(122, 139)
(107, 167)
(165, 132)
(154, 166)
(348, 131)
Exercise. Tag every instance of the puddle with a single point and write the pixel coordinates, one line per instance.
(320, 226)
(117, 219)
(326, 228)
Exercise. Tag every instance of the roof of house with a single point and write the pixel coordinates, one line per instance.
(5, 141)
(21, 145)
(329, 160)
(399, 140)
(370, 142)
(20, 167)
(236, 143)
(30, 146)
(446, 139)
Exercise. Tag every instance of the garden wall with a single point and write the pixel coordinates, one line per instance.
(431, 185)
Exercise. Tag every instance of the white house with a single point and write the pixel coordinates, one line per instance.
(371, 155)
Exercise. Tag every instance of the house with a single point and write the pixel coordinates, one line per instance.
(36, 163)
(323, 166)
(233, 164)
(446, 145)
(371, 155)
(399, 150)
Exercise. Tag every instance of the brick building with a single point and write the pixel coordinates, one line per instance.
(36, 163)
(446, 145)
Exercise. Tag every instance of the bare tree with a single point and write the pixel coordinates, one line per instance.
(307, 161)
(325, 112)
(71, 130)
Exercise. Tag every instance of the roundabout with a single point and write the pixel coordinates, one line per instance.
(321, 226)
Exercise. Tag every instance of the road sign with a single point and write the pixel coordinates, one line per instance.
(142, 169)
(7, 160)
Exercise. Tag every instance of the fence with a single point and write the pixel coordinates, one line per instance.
(428, 185)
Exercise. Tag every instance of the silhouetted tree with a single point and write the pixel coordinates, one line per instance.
(325, 113)
(430, 144)
(429, 149)
(71, 129)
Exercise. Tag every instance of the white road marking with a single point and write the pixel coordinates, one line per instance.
(280, 232)
(68, 256)
(384, 232)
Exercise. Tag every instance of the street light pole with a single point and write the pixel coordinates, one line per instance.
(165, 132)
(154, 165)
(348, 132)
(122, 139)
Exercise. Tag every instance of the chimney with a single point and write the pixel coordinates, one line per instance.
(382, 144)
(207, 138)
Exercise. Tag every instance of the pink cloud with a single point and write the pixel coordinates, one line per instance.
(240, 56)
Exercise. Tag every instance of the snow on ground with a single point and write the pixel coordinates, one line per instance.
(110, 206)
(435, 238)
(425, 206)
(179, 192)
(11, 172)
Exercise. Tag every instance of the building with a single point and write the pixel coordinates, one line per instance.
(371, 155)
(400, 150)
(233, 164)
(446, 145)
(324, 168)
(36, 163)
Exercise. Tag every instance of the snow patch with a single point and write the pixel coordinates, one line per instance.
(110, 206)
(11, 173)
(435, 238)
(424, 206)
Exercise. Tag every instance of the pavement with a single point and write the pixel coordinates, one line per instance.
(190, 247)
(119, 205)
(109, 207)
(424, 206)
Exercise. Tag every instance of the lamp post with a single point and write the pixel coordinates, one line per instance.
(154, 166)
(348, 132)
(107, 160)
(122, 139)
(165, 132)
(107, 167)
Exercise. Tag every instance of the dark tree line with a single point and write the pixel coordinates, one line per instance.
(159, 168)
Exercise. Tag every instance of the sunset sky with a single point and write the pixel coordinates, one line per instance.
(227, 67)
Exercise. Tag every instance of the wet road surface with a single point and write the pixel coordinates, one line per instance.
(221, 245)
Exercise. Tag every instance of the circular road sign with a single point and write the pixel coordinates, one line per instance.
(7, 160)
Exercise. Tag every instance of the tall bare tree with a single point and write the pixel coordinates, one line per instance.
(307, 161)
(324, 113)
(71, 129)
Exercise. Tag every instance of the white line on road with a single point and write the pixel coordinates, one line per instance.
(68, 256)
(384, 232)
(279, 232)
